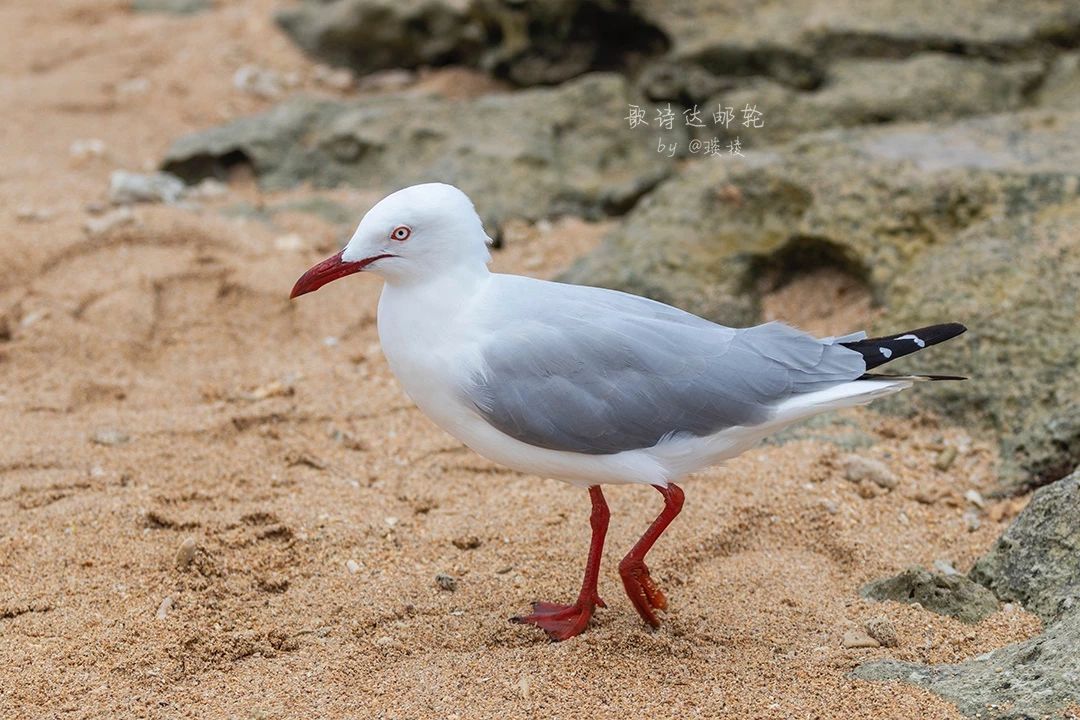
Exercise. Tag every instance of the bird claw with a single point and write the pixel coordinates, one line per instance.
(560, 622)
(643, 592)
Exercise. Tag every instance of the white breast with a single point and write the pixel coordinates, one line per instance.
(431, 344)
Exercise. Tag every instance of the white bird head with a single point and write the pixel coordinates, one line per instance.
(416, 234)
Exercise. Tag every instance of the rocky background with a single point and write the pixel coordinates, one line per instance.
(916, 161)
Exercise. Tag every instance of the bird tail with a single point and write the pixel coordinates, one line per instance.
(880, 350)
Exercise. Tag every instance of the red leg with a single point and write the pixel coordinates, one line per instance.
(565, 621)
(643, 592)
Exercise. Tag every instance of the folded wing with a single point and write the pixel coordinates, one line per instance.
(598, 372)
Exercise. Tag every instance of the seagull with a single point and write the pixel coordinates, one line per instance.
(588, 385)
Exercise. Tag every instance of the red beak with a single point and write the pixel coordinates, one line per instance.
(328, 270)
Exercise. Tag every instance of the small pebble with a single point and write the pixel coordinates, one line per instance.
(87, 148)
(31, 214)
(207, 189)
(971, 519)
(387, 642)
(275, 388)
(858, 639)
(945, 458)
(164, 607)
(352, 566)
(134, 86)
(945, 567)
(290, 242)
(336, 78)
(258, 81)
(858, 468)
(386, 80)
(466, 542)
(126, 187)
(926, 497)
(883, 631)
(109, 437)
(103, 224)
(391, 520)
(32, 317)
(975, 498)
(186, 553)
(445, 582)
(867, 491)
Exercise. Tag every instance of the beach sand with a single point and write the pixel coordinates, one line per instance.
(215, 502)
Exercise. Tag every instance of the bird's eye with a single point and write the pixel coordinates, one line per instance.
(401, 233)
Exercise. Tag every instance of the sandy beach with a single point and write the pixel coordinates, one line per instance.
(217, 503)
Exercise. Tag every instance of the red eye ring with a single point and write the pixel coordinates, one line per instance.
(401, 233)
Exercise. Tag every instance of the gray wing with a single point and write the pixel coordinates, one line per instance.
(598, 372)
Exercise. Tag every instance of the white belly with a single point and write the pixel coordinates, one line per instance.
(433, 361)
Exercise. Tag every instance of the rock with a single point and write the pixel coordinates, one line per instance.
(796, 48)
(682, 84)
(446, 582)
(528, 155)
(952, 595)
(173, 7)
(527, 43)
(1061, 87)
(858, 639)
(858, 468)
(1033, 679)
(1027, 359)
(324, 208)
(186, 553)
(922, 87)
(1036, 561)
(692, 47)
(126, 188)
(938, 222)
(883, 631)
(368, 35)
(352, 566)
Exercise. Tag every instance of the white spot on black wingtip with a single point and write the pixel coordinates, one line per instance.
(886, 352)
(918, 340)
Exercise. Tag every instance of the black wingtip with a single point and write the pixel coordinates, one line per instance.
(880, 350)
